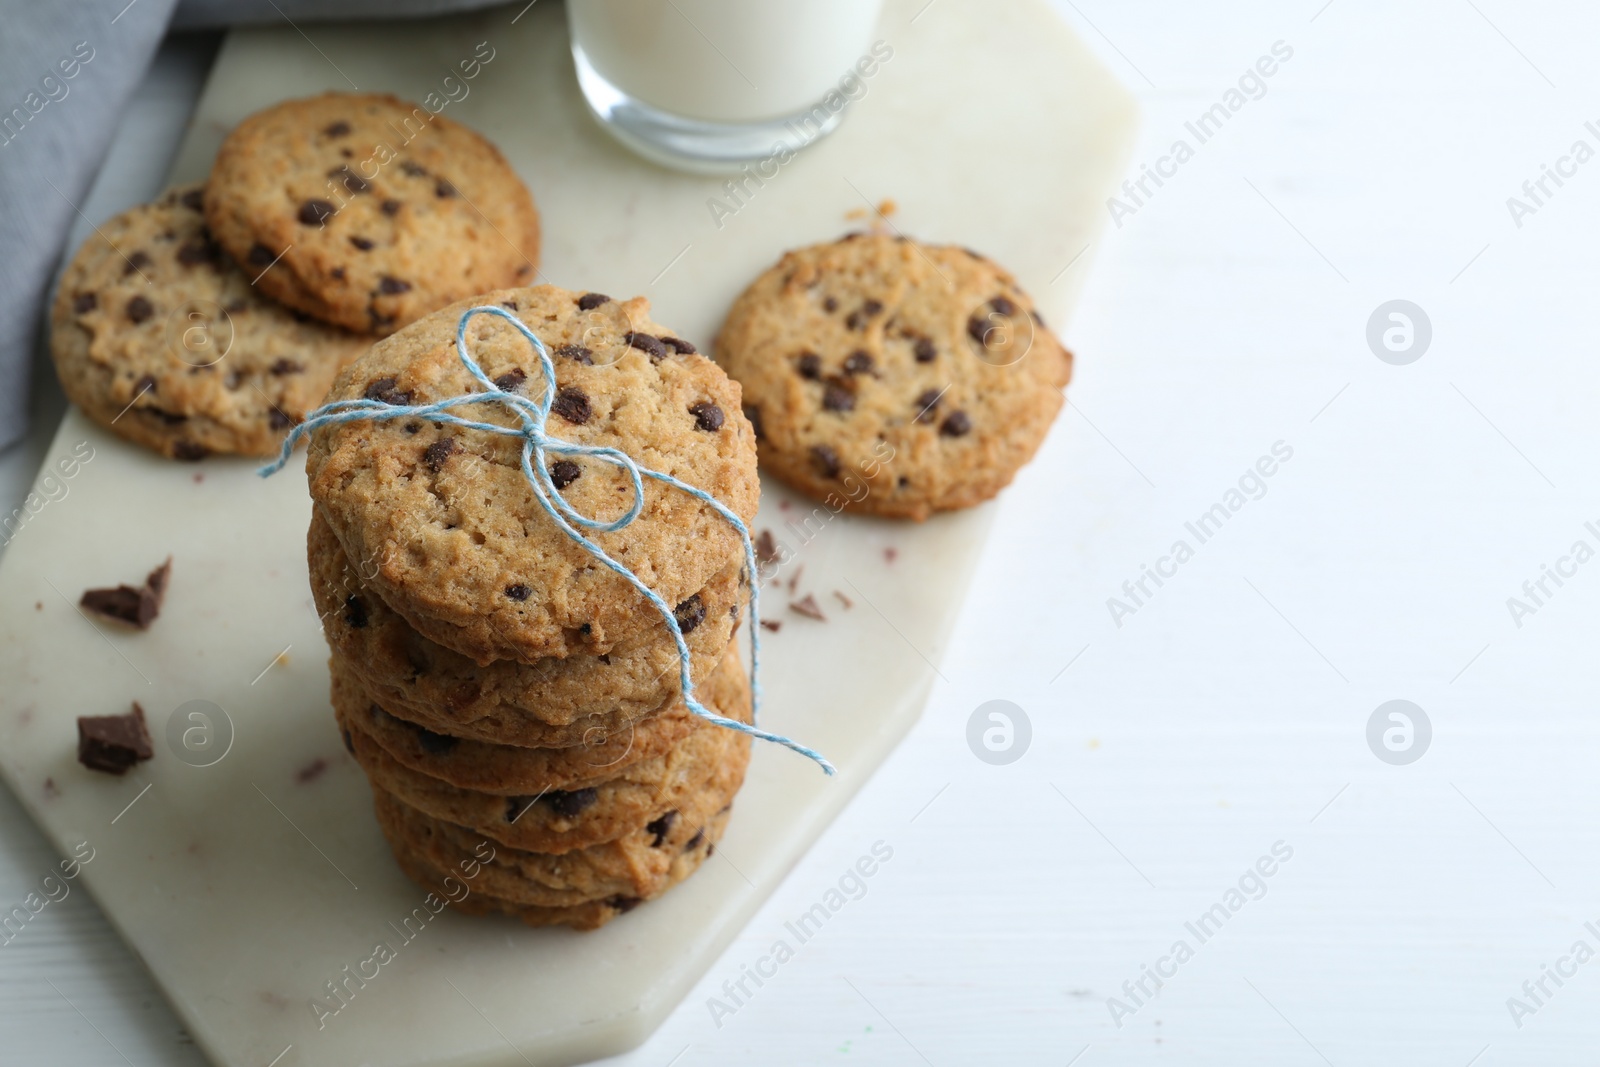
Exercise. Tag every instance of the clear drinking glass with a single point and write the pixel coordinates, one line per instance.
(713, 85)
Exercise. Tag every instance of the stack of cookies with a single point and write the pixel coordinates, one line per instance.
(212, 320)
(516, 704)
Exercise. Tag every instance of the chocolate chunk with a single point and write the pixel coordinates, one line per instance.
(570, 803)
(563, 472)
(624, 904)
(661, 828)
(766, 548)
(696, 841)
(260, 255)
(858, 362)
(125, 603)
(194, 199)
(826, 460)
(926, 403)
(363, 243)
(138, 261)
(434, 744)
(443, 189)
(518, 592)
(1037, 317)
(189, 452)
(707, 416)
(413, 427)
(857, 320)
(838, 398)
(690, 614)
(415, 170)
(978, 329)
(830, 304)
(113, 743)
(647, 344)
(353, 182)
(85, 302)
(349, 742)
(1003, 306)
(140, 309)
(955, 424)
(924, 350)
(590, 301)
(277, 420)
(336, 129)
(436, 454)
(510, 380)
(572, 405)
(511, 304)
(384, 389)
(284, 366)
(146, 383)
(379, 321)
(390, 207)
(753, 413)
(807, 606)
(809, 365)
(315, 212)
(577, 352)
(355, 612)
(391, 285)
(680, 346)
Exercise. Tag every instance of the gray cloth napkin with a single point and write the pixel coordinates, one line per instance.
(66, 69)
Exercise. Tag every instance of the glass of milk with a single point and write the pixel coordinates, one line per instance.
(713, 85)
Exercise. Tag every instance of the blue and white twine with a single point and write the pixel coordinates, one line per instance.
(535, 442)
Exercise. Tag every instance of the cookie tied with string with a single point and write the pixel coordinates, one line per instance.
(443, 522)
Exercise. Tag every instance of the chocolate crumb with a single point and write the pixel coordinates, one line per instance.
(846, 601)
(891, 554)
(311, 771)
(137, 607)
(113, 743)
(807, 606)
(766, 547)
(771, 624)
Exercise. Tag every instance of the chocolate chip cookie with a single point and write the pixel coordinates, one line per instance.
(512, 770)
(368, 211)
(158, 336)
(455, 539)
(590, 915)
(563, 819)
(893, 377)
(554, 702)
(638, 864)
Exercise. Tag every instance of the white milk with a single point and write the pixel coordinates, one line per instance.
(726, 61)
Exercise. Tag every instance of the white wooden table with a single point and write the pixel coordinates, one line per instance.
(1228, 713)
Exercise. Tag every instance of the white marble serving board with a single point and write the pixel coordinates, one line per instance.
(247, 885)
